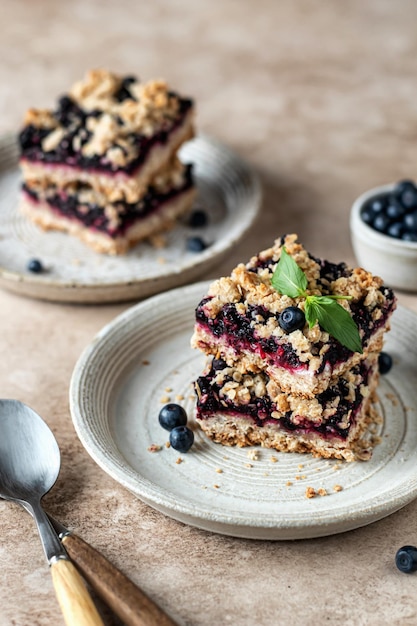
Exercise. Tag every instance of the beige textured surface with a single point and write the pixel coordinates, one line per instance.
(321, 98)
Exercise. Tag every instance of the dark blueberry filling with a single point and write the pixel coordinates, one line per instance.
(72, 117)
(330, 272)
(238, 331)
(95, 218)
(259, 409)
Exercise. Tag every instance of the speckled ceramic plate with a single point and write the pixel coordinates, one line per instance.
(144, 357)
(228, 190)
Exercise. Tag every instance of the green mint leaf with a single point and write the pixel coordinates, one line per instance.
(289, 279)
(334, 319)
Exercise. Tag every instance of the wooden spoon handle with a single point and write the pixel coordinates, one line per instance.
(76, 604)
(126, 600)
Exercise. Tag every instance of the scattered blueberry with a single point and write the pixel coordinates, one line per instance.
(406, 559)
(181, 438)
(198, 218)
(384, 362)
(35, 266)
(195, 244)
(394, 213)
(292, 318)
(171, 416)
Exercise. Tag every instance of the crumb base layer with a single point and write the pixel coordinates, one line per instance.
(240, 430)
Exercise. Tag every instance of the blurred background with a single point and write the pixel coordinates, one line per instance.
(318, 95)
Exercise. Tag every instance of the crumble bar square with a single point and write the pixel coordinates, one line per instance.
(111, 132)
(238, 320)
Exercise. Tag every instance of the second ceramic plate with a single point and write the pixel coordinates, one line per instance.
(143, 359)
(228, 190)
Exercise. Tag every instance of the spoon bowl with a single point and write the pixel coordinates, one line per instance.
(29, 454)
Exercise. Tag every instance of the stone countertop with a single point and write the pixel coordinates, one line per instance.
(320, 98)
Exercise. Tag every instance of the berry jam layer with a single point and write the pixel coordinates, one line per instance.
(236, 408)
(111, 227)
(107, 128)
(239, 320)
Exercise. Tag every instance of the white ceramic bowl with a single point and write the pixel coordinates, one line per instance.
(392, 259)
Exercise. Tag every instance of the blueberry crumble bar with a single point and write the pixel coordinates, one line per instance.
(239, 319)
(102, 165)
(113, 133)
(293, 343)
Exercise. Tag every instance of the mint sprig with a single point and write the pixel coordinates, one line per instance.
(290, 280)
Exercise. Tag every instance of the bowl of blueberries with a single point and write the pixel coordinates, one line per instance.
(383, 228)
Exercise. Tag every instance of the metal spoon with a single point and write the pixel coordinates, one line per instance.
(127, 601)
(29, 466)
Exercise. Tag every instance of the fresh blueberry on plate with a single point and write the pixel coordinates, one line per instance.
(181, 438)
(198, 219)
(172, 415)
(384, 362)
(196, 244)
(35, 266)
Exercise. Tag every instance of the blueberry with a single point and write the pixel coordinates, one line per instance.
(395, 230)
(181, 438)
(406, 193)
(394, 210)
(35, 266)
(381, 223)
(407, 236)
(195, 244)
(292, 318)
(198, 218)
(384, 362)
(376, 205)
(367, 215)
(410, 221)
(406, 559)
(171, 416)
(218, 364)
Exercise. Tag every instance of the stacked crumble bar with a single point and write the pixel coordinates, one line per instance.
(103, 166)
(300, 391)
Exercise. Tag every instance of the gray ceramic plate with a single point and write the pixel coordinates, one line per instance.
(143, 358)
(227, 189)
